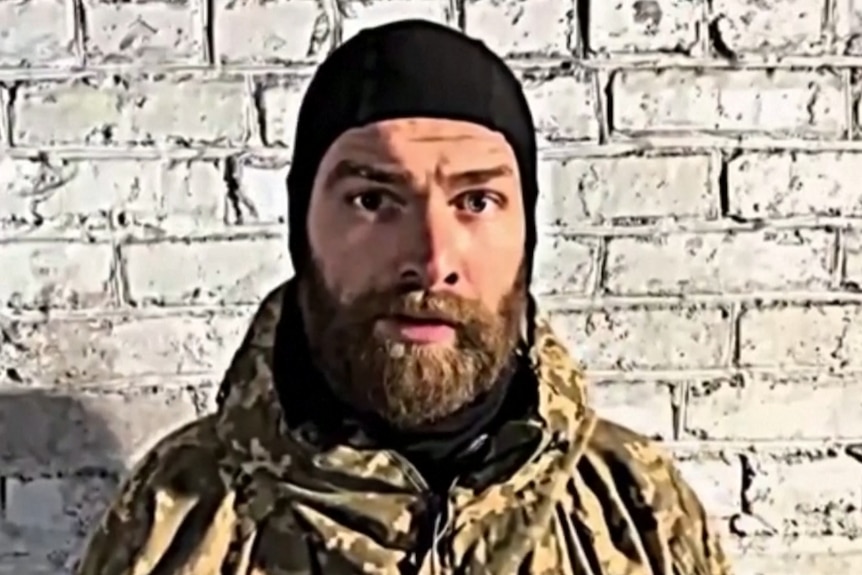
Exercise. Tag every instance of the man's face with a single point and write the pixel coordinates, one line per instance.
(414, 299)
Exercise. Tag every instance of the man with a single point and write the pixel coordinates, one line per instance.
(399, 407)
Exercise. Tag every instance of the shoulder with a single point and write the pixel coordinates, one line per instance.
(180, 476)
(641, 464)
(627, 447)
(639, 474)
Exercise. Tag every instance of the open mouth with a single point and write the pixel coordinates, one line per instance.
(422, 329)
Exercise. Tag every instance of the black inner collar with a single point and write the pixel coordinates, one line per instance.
(440, 452)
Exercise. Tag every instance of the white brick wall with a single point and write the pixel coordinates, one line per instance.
(701, 242)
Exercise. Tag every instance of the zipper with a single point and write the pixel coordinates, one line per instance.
(438, 513)
(441, 514)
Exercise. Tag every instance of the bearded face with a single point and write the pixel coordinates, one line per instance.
(409, 384)
(413, 294)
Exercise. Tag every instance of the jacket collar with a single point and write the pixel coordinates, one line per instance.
(251, 423)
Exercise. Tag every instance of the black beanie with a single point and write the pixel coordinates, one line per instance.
(408, 69)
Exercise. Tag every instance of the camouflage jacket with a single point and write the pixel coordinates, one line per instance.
(237, 493)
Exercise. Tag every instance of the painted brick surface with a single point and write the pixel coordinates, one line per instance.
(700, 245)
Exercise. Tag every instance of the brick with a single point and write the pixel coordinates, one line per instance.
(521, 28)
(550, 94)
(74, 352)
(157, 32)
(787, 491)
(36, 33)
(783, 102)
(42, 275)
(853, 259)
(361, 14)
(626, 339)
(716, 477)
(609, 189)
(213, 272)
(191, 195)
(274, 32)
(281, 99)
(37, 503)
(791, 563)
(786, 184)
(98, 193)
(69, 503)
(179, 110)
(847, 22)
(769, 26)
(644, 406)
(733, 409)
(719, 263)
(565, 265)
(28, 551)
(47, 432)
(801, 336)
(262, 191)
(643, 25)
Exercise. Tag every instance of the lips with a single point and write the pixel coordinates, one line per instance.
(423, 330)
(421, 321)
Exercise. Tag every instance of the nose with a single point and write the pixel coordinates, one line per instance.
(432, 257)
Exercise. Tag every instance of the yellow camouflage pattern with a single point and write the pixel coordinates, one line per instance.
(235, 493)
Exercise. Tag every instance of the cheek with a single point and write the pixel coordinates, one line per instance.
(356, 261)
(493, 273)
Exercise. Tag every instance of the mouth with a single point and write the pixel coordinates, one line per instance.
(422, 320)
(421, 329)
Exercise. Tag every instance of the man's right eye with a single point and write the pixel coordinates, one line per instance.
(371, 200)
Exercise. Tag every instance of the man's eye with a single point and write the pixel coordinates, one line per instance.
(370, 201)
(476, 202)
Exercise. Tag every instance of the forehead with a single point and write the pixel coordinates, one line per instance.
(419, 140)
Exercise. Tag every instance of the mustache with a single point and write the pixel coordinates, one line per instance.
(420, 305)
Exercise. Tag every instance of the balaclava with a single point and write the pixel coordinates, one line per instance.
(411, 68)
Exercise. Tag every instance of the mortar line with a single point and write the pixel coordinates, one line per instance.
(838, 264)
(206, 28)
(617, 62)
(211, 378)
(762, 299)
(77, 27)
(679, 407)
(600, 260)
(650, 146)
(703, 43)
(220, 231)
(850, 99)
(733, 350)
(5, 120)
(550, 305)
(253, 114)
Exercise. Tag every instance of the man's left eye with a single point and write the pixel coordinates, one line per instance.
(475, 202)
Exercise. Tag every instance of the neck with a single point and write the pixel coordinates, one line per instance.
(434, 448)
(430, 447)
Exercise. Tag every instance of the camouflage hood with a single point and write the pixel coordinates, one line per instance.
(377, 490)
(250, 416)
(241, 492)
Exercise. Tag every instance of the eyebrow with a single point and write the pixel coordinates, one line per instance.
(350, 169)
(477, 177)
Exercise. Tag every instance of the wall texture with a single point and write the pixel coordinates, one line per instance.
(701, 167)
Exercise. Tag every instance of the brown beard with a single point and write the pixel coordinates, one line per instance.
(408, 385)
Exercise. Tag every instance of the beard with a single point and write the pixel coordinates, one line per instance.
(409, 385)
